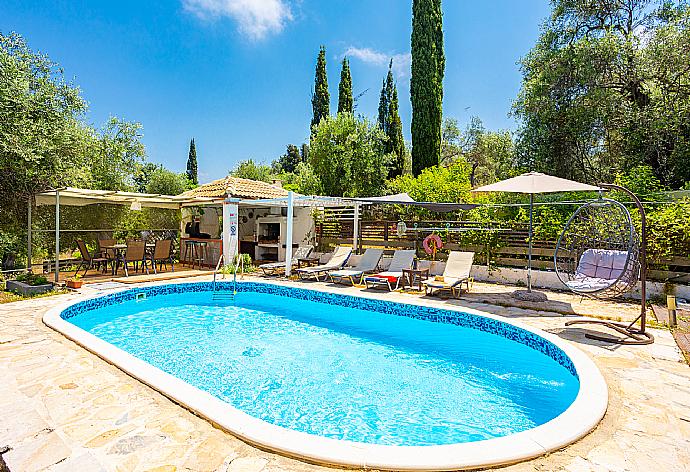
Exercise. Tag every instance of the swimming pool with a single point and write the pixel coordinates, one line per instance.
(347, 380)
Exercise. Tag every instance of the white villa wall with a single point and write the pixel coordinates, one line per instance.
(548, 280)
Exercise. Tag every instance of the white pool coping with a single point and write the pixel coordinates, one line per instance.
(581, 417)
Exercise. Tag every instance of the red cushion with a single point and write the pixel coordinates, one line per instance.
(390, 278)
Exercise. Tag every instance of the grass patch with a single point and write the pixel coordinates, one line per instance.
(9, 297)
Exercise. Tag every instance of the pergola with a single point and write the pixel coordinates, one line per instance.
(295, 200)
(136, 201)
(82, 197)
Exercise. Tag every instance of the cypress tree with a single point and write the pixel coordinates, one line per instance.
(192, 168)
(426, 83)
(396, 142)
(345, 101)
(320, 99)
(383, 108)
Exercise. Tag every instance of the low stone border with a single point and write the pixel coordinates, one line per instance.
(579, 419)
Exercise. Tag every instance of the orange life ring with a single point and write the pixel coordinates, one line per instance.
(432, 243)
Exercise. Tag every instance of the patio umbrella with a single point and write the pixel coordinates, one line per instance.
(530, 184)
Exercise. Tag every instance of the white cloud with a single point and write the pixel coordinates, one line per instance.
(401, 62)
(255, 18)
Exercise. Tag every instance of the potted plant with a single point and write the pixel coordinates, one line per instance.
(75, 282)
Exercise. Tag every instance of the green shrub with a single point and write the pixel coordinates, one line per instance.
(32, 279)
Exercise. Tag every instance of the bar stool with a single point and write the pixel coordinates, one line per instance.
(200, 255)
(188, 253)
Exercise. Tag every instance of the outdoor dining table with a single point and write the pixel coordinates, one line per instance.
(119, 248)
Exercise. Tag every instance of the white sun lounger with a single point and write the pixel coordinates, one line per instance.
(273, 268)
(402, 259)
(368, 263)
(457, 272)
(337, 261)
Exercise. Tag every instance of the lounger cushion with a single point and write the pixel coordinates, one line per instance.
(383, 276)
(602, 264)
(589, 284)
(346, 273)
(448, 283)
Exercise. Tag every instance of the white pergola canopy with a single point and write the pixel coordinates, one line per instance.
(81, 197)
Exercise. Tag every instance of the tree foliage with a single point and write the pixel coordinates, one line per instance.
(289, 161)
(43, 142)
(249, 169)
(436, 184)
(607, 88)
(192, 166)
(166, 182)
(490, 154)
(116, 153)
(345, 100)
(426, 83)
(347, 156)
(390, 123)
(321, 98)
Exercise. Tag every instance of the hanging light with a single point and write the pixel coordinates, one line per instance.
(135, 206)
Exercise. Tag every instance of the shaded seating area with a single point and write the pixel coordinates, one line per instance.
(143, 253)
(455, 274)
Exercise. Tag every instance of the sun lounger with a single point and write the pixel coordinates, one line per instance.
(337, 261)
(402, 259)
(456, 273)
(273, 268)
(368, 263)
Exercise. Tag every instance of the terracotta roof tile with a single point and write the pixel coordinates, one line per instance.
(237, 188)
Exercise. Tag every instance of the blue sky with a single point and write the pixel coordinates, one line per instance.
(237, 74)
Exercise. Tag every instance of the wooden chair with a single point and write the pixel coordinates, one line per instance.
(87, 260)
(135, 253)
(162, 254)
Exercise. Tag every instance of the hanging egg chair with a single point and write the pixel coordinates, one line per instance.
(598, 253)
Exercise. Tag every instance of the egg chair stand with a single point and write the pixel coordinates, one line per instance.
(604, 259)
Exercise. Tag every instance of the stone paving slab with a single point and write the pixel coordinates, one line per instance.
(64, 409)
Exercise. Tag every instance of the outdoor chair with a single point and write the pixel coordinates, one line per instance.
(367, 264)
(87, 260)
(273, 268)
(402, 259)
(107, 253)
(134, 254)
(162, 255)
(340, 256)
(456, 273)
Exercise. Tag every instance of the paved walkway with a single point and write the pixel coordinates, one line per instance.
(64, 409)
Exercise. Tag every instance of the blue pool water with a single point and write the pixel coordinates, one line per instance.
(342, 372)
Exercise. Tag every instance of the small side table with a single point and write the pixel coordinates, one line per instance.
(307, 262)
(410, 276)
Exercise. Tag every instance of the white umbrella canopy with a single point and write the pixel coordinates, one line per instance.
(532, 183)
(536, 182)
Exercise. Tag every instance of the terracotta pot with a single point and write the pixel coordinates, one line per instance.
(74, 283)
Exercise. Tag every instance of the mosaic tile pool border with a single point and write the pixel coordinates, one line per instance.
(438, 315)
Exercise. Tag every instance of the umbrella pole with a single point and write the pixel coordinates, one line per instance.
(529, 249)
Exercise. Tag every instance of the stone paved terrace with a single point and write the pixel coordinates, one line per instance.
(64, 409)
